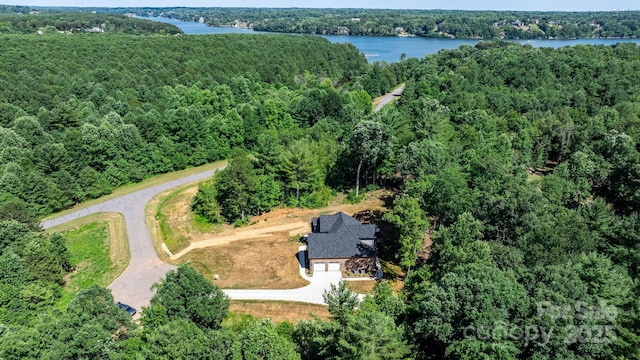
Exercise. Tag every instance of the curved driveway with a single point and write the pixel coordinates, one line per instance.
(133, 287)
(311, 293)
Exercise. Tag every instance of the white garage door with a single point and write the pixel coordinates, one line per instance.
(334, 266)
(319, 266)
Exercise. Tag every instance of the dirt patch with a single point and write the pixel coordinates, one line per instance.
(275, 232)
(181, 208)
(426, 248)
(262, 255)
(273, 225)
(363, 286)
(251, 264)
(178, 232)
(279, 311)
(172, 210)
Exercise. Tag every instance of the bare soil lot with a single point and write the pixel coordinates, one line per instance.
(262, 255)
(250, 264)
(279, 311)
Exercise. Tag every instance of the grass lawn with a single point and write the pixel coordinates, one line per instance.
(131, 188)
(99, 250)
(277, 311)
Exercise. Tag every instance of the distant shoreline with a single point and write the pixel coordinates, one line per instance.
(400, 35)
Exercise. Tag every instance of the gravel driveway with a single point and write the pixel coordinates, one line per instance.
(311, 293)
(133, 287)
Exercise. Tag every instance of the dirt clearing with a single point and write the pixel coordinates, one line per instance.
(261, 255)
(187, 234)
(279, 311)
(250, 264)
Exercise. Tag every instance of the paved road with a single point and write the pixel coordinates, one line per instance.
(133, 287)
(390, 96)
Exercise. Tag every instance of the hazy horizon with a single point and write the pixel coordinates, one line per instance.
(498, 5)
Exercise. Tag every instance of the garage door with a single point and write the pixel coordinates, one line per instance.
(334, 266)
(319, 266)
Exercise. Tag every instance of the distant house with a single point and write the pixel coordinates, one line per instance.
(343, 30)
(341, 243)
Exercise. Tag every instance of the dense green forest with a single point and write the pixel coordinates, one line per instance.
(521, 164)
(427, 23)
(528, 165)
(23, 21)
(82, 115)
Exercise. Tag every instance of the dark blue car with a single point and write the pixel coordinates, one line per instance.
(127, 308)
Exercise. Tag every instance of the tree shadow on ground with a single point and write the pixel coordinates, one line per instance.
(388, 244)
(299, 261)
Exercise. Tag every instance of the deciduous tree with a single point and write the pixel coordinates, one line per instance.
(186, 294)
(371, 142)
(412, 223)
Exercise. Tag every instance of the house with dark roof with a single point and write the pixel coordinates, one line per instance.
(339, 242)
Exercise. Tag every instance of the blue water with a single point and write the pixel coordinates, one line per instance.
(389, 49)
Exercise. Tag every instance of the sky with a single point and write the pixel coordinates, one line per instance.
(535, 5)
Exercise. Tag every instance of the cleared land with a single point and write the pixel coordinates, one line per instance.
(176, 205)
(250, 264)
(99, 250)
(363, 286)
(279, 311)
(262, 255)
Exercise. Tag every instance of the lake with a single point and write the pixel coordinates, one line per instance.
(388, 48)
